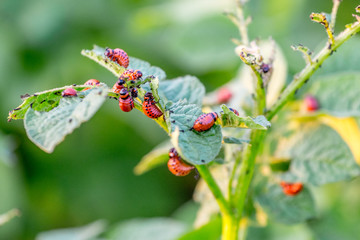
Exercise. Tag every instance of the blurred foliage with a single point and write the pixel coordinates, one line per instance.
(90, 175)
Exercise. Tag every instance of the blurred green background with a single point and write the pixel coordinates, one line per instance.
(90, 175)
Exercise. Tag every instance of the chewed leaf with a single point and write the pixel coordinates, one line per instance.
(195, 147)
(187, 87)
(146, 68)
(230, 119)
(286, 209)
(97, 55)
(48, 129)
(41, 101)
(159, 155)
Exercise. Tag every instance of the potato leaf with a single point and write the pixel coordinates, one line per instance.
(194, 147)
(230, 119)
(48, 129)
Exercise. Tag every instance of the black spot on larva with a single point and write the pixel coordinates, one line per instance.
(74, 84)
(31, 104)
(296, 91)
(70, 120)
(35, 95)
(202, 160)
(42, 101)
(173, 121)
(182, 131)
(57, 93)
(17, 109)
(306, 80)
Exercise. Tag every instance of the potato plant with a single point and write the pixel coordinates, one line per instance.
(263, 150)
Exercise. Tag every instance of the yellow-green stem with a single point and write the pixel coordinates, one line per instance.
(230, 227)
(247, 169)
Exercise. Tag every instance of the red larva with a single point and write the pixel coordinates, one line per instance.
(134, 92)
(126, 102)
(69, 92)
(91, 82)
(149, 107)
(130, 75)
(118, 55)
(291, 189)
(118, 86)
(224, 95)
(177, 166)
(205, 121)
(234, 111)
(311, 103)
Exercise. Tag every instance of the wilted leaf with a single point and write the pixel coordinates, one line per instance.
(41, 101)
(80, 233)
(230, 119)
(158, 156)
(194, 147)
(47, 129)
(286, 209)
(318, 156)
(187, 87)
(149, 229)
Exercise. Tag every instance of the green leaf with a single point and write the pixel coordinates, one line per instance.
(187, 87)
(90, 231)
(319, 156)
(48, 129)
(338, 94)
(286, 209)
(149, 229)
(97, 55)
(232, 140)
(41, 101)
(158, 156)
(146, 68)
(209, 231)
(230, 119)
(195, 147)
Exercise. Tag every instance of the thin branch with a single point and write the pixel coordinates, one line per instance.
(310, 69)
(333, 14)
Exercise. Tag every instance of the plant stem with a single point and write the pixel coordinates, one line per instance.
(231, 180)
(230, 227)
(214, 188)
(242, 25)
(333, 14)
(247, 169)
(310, 69)
(260, 93)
